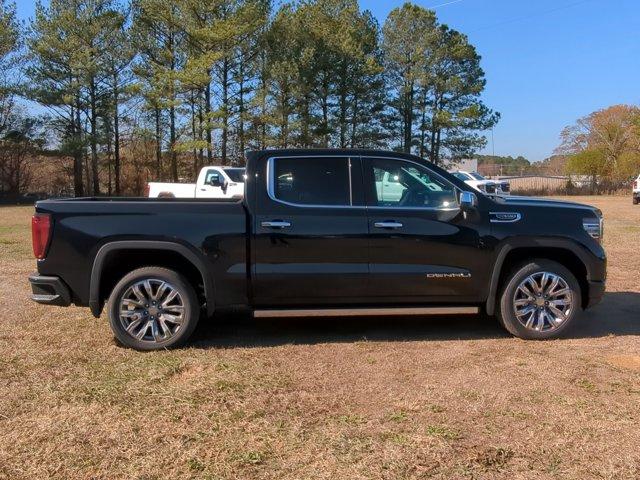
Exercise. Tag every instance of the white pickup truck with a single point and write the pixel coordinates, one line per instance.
(636, 191)
(477, 181)
(213, 182)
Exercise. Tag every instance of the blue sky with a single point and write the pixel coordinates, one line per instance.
(547, 62)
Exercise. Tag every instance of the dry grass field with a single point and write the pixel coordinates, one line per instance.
(377, 398)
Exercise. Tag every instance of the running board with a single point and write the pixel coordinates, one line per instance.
(361, 312)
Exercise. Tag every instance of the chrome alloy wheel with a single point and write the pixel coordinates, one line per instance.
(151, 310)
(543, 301)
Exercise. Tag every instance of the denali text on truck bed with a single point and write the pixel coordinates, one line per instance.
(317, 234)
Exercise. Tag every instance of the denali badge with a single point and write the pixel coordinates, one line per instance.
(449, 275)
(504, 217)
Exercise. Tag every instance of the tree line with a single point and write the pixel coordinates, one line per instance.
(170, 86)
(605, 146)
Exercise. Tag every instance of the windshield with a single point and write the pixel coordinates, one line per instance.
(235, 174)
(462, 176)
(476, 176)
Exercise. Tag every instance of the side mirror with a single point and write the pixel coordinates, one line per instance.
(468, 200)
(215, 182)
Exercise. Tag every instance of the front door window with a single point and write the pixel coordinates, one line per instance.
(398, 183)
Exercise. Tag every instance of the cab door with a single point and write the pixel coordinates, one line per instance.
(422, 247)
(310, 242)
(214, 185)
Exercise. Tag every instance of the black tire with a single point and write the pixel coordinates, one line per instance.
(636, 200)
(507, 300)
(185, 300)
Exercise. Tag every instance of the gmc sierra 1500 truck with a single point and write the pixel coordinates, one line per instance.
(315, 234)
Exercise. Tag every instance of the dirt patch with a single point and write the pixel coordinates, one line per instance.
(631, 362)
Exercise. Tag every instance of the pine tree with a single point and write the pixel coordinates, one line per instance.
(159, 39)
(9, 46)
(453, 83)
(408, 36)
(117, 60)
(55, 73)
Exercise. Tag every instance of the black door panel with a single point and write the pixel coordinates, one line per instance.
(321, 257)
(311, 254)
(421, 246)
(426, 257)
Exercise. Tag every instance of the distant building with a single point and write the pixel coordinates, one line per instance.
(464, 164)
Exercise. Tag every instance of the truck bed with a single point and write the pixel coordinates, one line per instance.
(179, 190)
(214, 230)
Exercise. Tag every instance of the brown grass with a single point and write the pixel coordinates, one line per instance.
(325, 398)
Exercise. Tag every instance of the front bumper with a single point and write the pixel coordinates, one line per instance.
(49, 290)
(596, 292)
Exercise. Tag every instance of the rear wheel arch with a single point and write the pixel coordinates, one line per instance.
(511, 257)
(153, 308)
(115, 259)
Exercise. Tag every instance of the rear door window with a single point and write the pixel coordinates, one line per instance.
(312, 181)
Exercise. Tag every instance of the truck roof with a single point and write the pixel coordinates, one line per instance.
(329, 151)
(254, 155)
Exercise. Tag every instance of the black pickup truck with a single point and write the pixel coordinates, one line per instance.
(321, 232)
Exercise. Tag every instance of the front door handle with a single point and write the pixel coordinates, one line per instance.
(388, 224)
(276, 224)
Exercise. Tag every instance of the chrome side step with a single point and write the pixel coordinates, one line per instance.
(361, 312)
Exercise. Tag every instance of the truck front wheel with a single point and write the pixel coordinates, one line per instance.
(153, 308)
(539, 300)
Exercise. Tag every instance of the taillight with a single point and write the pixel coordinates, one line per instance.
(147, 190)
(635, 185)
(40, 231)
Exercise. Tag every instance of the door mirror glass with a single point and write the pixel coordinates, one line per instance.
(468, 200)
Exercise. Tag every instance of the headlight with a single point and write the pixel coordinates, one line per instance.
(594, 227)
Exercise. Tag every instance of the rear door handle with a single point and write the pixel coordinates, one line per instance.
(276, 224)
(388, 224)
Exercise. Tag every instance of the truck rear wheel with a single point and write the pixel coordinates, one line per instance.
(153, 308)
(539, 300)
(636, 200)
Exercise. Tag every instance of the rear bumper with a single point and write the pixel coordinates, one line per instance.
(49, 290)
(596, 292)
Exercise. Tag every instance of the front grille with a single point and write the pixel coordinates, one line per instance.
(490, 188)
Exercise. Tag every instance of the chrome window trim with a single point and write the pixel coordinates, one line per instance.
(444, 209)
(271, 182)
(270, 179)
(350, 183)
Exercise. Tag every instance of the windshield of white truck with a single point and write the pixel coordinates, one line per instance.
(235, 174)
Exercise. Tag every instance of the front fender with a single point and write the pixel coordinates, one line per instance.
(593, 261)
